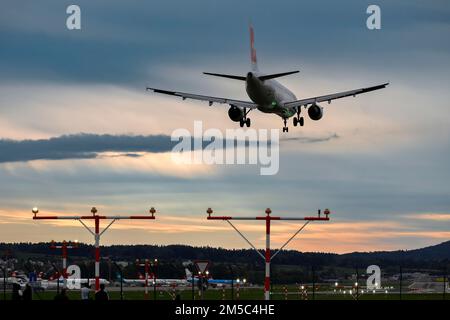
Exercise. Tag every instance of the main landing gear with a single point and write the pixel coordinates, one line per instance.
(298, 119)
(245, 121)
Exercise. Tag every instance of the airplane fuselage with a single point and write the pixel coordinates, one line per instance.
(269, 95)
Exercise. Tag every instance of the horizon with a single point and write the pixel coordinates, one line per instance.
(222, 248)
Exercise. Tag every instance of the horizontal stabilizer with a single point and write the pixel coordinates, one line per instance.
(276, 75)
(229, 76)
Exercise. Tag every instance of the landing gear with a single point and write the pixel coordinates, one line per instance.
(285, 128)
(299, 120)
(245, 122)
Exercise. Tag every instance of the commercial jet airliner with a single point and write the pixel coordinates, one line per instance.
(269, 96)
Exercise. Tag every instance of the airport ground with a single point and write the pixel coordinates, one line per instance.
(248, 293)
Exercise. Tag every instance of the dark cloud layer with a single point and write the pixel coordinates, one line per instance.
(126, 43)
(88, 146)
(81, 146)
(304, 139)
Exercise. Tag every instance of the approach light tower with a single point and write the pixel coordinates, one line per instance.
(268, 219)
(64, 247)
(147, 264)
(96, 233)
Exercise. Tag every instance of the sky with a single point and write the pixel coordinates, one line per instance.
(78, 129)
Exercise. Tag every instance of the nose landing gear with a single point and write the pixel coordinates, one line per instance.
(285, 128)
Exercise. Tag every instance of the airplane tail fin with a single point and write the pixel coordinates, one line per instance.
(188, 273)
(254, 61)
(254, 65)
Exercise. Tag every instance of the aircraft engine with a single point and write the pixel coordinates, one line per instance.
(315, 112)
(235, 113)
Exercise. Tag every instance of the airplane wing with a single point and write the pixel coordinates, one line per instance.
(211, 100)
(334, 96)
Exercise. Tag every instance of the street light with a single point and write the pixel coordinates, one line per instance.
(155, 267)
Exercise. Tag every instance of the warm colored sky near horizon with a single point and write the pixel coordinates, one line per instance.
(379, 161)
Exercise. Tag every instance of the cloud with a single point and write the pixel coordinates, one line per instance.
(90, 146)
(81, 146)
(430, 216)
(306, 139)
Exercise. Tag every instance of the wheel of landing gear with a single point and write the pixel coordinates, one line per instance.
(287, 129)
(248, 122)
(241, 123)
(295, 121)
(302, 121)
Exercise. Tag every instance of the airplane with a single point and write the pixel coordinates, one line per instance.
(45, 284)
(211, 281)
(20, 279)
(61, 282)
(158, 282)
(268, 95)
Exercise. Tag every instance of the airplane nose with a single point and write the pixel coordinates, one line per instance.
(249, 75)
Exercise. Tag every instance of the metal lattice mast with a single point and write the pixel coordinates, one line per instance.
(97, 234)
(268, 219)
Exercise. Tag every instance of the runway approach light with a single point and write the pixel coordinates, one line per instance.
(35, 211)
